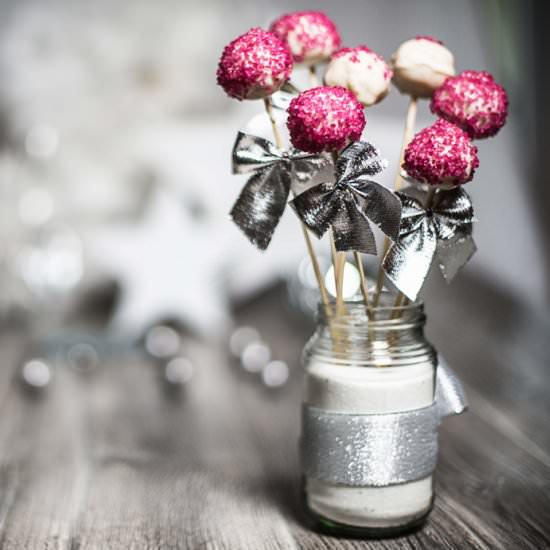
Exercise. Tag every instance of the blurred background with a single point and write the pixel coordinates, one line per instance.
(149, 354)
(115, 159)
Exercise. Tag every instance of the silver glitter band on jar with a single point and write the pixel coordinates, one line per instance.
(377, 450)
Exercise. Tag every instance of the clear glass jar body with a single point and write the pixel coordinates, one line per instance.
(369, 362)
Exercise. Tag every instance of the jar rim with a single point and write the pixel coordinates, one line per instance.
(375, 336)
(388, 313)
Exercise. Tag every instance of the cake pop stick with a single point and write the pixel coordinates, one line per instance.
(307, 238)
(313, 80)
(337, 269)
(362, 279)
(408, 130)
(363, 282)
(340, 266)
(333, 258)
(274, 128)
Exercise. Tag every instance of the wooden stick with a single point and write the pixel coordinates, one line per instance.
(338, 263)
(363, 281)
(339, 310)
(309, 244)
(380, 276)
(333, 256)
(316, 269)
(313, 81)
(428, 203)
(407, 136)
(408, 130)
(340, 266)
(401, 300)
(274, 127)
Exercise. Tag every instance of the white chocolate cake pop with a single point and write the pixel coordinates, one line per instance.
(361, 71)
(421, 65)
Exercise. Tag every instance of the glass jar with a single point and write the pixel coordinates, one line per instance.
(367, 453)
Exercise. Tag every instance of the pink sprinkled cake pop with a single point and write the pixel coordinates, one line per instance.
(325, 119)
(361, 71)
(441, 154)
(254, 65)
(473, 101)
(310, 35)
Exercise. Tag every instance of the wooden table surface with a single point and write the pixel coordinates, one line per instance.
(110, 459)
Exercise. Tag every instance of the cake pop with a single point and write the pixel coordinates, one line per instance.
(421, 65)
(310, 35)
(441, 155)
(254, 65)
(361, 71)
(325, 118)
(473, 101)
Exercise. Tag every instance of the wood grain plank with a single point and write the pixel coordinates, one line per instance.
(43, 472)
(177, 474)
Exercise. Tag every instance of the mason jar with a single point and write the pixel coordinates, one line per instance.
(369, 432)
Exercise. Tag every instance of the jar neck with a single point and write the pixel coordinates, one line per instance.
(372, 336)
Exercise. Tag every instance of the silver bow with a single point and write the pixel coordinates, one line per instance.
(282, 98)
(444, 231)
(262, 201)
(377, 450)
(351, 201)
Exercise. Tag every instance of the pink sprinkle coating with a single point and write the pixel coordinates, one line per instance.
(310, 35)
(353, 52)
(473, 101)
(429, 39)
(254, 65)
(327, 118)
(352, 55)
(442, 154)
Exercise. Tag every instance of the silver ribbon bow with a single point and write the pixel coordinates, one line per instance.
(281, 99)
(377, 450)
(444, 231)
(262, 201)
(351, 201)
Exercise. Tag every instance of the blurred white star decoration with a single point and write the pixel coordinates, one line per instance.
(167, 269)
